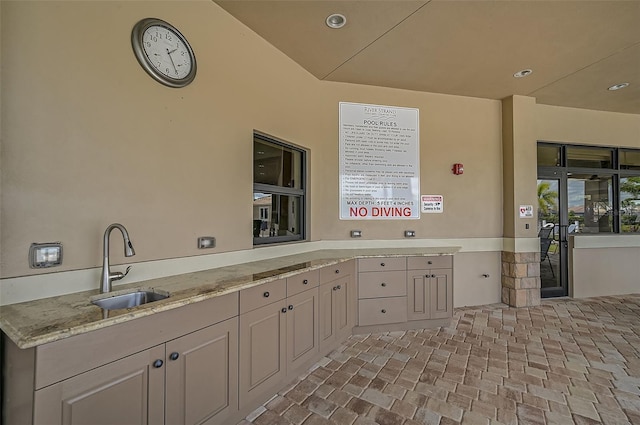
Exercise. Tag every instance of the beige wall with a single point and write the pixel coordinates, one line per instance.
(604, 265)
(89, 139)
(581, 126)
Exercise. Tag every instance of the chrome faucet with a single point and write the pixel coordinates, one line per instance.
(107, 276)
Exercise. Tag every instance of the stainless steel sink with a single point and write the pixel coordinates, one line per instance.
(120, 300)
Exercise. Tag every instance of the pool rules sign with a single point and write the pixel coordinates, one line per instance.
(379, 162)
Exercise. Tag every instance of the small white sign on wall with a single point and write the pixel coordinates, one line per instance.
(432, 203)
(526, 211)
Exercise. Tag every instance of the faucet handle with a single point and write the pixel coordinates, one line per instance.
(119, 275)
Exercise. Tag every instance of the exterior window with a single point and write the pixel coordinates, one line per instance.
(629, 160)
(630, 204)
(590, 199)
(548, 156)
(278, 191)
(598, 187)
(589, 157)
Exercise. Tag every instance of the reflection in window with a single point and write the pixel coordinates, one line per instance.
(590, 202)
(278, 191)
(583, 157)
(548, 155)
(630, 204)
(629, 160)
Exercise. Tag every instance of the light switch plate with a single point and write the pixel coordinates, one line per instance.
(44, 255)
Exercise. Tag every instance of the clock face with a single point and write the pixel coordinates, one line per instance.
(166, 52)
(163, 52)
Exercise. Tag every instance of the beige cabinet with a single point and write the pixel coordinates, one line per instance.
(336, 304)
(195, 375)
(382, 291)
(128, 391)
(302, 329)
(179, 366)
(430, 287)
(263, 344)
(202, 375)
(278, 335)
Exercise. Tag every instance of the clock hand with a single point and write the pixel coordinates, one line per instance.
(172, 62)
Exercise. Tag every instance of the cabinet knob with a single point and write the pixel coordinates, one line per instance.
(382, 264)
(429, 262)
(290, 306)
(174, 356)
(384, 311)
(284, 309)
(158, 363)
(383, 284)
(339, 287)
(266, 294)
(337, 271)
(433, 275)
(304, 282)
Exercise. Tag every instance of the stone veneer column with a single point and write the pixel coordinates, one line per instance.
(521, 278)
(521, 247)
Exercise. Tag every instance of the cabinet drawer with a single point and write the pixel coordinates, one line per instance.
(261, 295)
(382, 264)
(379, 311)
(382, 284)
(434, 262)
(303, 281)
(336, 271)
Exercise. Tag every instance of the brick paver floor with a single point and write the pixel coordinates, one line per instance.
(564, 362)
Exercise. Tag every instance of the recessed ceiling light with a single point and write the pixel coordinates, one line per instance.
(618, 86)
(336, 20)
(523, 73)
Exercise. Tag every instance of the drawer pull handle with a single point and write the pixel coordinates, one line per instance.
(382, 264)
(158, 364)
(383, 284)
(266, 295)
(384, 311)
(304, 282)
(284, 309)
(174, 356)
(429, 262)
(290, 306)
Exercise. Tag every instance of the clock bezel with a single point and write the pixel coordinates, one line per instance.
(136, 42)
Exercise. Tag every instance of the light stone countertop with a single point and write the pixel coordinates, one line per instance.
(33, 323)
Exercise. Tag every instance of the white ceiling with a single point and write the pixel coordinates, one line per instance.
(576, 49)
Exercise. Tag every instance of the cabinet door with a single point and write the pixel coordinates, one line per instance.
(343, 307)
(127, 391)
(418, 295)
(302, 328)
(441, 294)
(326, 328)
(202, 375)
(263, 353)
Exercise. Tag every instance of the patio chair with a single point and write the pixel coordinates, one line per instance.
(546, 238)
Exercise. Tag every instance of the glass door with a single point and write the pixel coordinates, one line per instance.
(552, 231)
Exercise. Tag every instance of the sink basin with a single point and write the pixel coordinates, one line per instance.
(117, 301)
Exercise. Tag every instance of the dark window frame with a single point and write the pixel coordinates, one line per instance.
(268, 189)
(615, 171)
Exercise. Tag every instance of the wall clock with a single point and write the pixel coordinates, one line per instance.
(163, 52)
